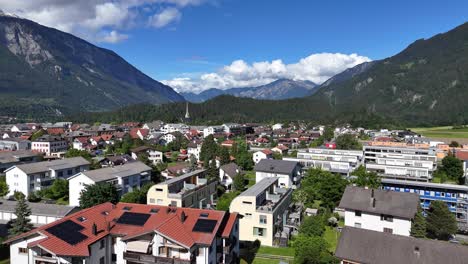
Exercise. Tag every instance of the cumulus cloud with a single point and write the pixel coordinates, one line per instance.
(316, 68)
(99, 20)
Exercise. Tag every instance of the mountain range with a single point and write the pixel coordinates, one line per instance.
(44, 71)
(277, 90)
(425, 84)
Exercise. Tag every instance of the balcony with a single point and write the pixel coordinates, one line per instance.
(146, 258)
(44, 260)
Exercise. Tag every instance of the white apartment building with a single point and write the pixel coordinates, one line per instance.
(169, 128)
(189, 190)
(288, 172)
(153, 155)
(339, 161)
(132, 233)
(49, 145)
(262, 207)
(33, 177)
(401, 163)
(10, 158)
(13, 144)
(379, 210)
(125, 178)
(211, 130)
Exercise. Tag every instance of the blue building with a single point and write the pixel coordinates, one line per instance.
(456, 196)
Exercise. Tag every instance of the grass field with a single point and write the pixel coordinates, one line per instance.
(276, 251)
(442, 132)
(331, 236)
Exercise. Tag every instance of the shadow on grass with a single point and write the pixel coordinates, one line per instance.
(248, 250)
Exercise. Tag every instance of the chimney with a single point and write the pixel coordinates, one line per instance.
(183, 217)
(416, 251)
(94, 229)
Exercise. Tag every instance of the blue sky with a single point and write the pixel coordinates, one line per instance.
(205, 37)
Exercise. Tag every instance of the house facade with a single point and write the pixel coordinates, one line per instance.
(288, 172)
(263, 154)
(49, 145)
(13, 144)
(227, 172)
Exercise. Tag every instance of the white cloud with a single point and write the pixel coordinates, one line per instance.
(91, 19)
(316, 68)
(165, 17)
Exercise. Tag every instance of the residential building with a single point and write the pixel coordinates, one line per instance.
(263, 154)
(463, 156)
(194, 149)
(172, 136)
(232, 128)
(125, 178)
(379, 210)
(132, 233)
(49, 145)
(227, 172)
(41, 213)
(277, 126)
(139, 133)
(154, 126)
(401, 163)
(212, 130)
(153, 155)
(456, 196)
(359, 246)
(11, 158)
(13, 144)
(33, 177)
(281, 149)
(189, 190)
(288, 172)
(169, 128)
(263, 207)
(339, 161)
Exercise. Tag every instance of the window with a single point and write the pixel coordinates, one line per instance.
(114, 257)
(248, 215)
(23, 250)
(387, 218)
(263, 219)
(151, 200)
(358, 225)
(244, 202)
(103, 244)
(357, 213)
(388, 230)
(60, 174)
(102, 260)
(69, 172)
(258, 231)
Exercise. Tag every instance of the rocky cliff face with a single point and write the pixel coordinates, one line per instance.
(44, 66)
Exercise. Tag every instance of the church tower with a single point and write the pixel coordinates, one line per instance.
(187, 114)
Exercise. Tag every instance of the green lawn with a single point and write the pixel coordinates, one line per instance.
(5, 261)
(250, 177)
(442, 132)
(259, 261)
(331, 236)
(276, 251)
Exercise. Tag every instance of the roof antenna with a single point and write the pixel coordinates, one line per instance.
(94, 229)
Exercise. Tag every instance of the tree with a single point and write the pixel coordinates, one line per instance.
(224, 155)
(4, 190)
(22, 223)
(137, 195)
(71, 153)
(454, 144)
(366, 179)
(213, 171)
(347, 141)
(324, 186)
(312, 250)
(208, 150)
(193, 162)
(225, 200)
(97, 194)
(312, 226)
(277, 155)
(238, 183)
(418, 226)
(441, 223)
(453, 167)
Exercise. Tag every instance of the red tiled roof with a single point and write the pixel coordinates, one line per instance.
(107, 137)
(56, 131)
(267, 151)
(463, 155)
(134, 132)
(165, 222)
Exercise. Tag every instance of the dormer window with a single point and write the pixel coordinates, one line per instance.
(81, 219)
(127, 208)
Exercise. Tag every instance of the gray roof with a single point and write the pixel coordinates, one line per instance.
(398, 204)
(259, 187)
(14, 156)
(39, 208)
(231, 169)
(121, 171)
(446, 186)
(276, 166)
(366, 246)
(44, 166)
(183, 177)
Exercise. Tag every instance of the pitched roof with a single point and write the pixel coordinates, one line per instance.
(366, 246)
(109, 173)
(276, 166)
(398, 204)
(52, 165)
(38, 208)
(167, 221)
(16, 156)
(462, 155)
(231, 169)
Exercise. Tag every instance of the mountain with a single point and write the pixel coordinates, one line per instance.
(277, 90)
(46, 71)
(425, 84)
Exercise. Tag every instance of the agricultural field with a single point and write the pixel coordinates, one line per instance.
(446, 133)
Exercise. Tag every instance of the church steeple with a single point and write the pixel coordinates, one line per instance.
(187, 114)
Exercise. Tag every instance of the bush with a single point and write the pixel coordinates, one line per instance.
(34, 198)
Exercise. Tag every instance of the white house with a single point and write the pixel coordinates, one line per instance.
(263, 154)
(169, 128)
(288, 172)
(32, 177)
(153, 155)
(49, 145)
(125, 177)
(379, 210)
(211, 130)
(277, 126)
(194, 149)
(227, 172)
(132, 233)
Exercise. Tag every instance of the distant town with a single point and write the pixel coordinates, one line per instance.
(161, 192)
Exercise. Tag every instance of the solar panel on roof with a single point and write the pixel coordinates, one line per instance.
(68, 231)
(137, 219)
(154, 210)
(205, 225)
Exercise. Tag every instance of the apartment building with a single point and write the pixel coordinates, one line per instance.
(13, 144)
(125, 178)
(192, 189)
(359, 246)
(456, 196)
(32, 177)
(339, 161)
(262, 207)
(11, 158)
(416, 164)
(288, 172)
(170, 128)
(132, 233)
(212, 130)
(49, 145)
(379, 210)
